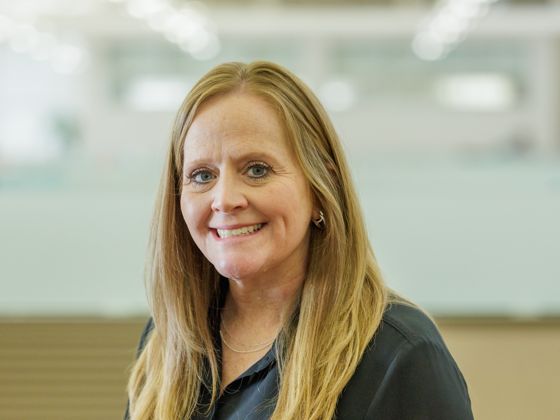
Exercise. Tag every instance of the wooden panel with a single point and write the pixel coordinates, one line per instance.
(512, 367)
(65, 369)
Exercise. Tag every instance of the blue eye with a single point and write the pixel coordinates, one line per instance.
(201, 176)
(258, 170)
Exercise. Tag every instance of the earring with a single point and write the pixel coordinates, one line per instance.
(320, 221)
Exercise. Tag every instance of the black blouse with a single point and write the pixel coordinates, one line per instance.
(406, 373)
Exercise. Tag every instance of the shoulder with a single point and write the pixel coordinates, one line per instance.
(405, 324)
(404, 329)
(407, 372)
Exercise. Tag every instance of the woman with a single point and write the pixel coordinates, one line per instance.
(266, 298)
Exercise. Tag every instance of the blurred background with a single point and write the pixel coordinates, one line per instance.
(449, 113)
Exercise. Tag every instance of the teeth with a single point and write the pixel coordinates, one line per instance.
(226, 233)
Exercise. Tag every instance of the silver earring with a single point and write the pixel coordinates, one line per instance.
(320, 221)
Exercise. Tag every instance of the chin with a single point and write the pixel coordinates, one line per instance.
(235, 270)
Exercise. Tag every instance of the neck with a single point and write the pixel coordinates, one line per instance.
(264, 305)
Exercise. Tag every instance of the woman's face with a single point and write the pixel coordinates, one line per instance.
(245, 200)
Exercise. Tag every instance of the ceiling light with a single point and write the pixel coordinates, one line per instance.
(42, 46)
(447, 26)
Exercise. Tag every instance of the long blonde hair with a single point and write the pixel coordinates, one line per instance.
(342, 299)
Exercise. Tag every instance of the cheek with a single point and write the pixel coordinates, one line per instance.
(190, 214)
(295, 207)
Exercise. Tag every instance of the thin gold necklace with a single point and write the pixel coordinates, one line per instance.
(258, 347)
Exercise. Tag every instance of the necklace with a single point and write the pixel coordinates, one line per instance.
(254, 349)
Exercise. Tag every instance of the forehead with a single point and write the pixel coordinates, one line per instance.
(236, 121)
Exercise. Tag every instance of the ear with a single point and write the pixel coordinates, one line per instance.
(315, 214)
(316, 209)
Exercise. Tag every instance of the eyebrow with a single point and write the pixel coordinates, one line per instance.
(260, 155)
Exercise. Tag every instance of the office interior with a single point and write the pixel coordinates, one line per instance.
(448, 110)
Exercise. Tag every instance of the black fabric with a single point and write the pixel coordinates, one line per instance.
(406, 373)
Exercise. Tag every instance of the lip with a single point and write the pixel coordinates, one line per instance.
(236, 226)
(214, 231)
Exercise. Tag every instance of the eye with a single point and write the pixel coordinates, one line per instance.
(258, 170)
(201, 176)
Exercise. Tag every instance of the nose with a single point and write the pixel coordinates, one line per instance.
(228, 195)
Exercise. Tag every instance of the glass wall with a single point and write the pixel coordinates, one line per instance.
(456, 159)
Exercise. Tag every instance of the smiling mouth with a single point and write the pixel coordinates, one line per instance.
(245, 230)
